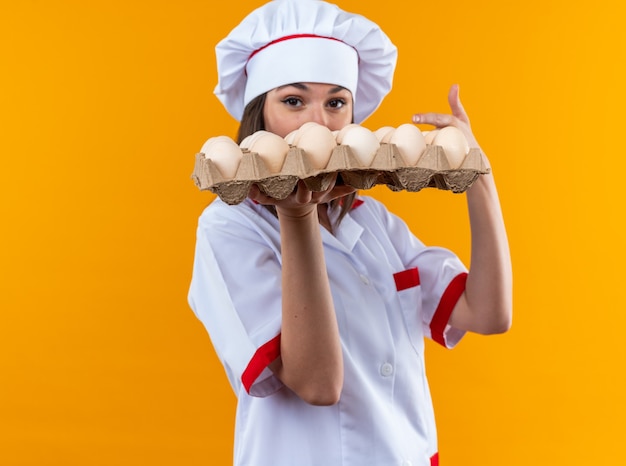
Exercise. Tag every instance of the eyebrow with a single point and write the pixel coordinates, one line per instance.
(304, 87)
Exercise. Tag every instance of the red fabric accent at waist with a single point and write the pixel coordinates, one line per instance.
(434, 460)
(261, 359)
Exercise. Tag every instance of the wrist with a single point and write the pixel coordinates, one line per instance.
(297, 213)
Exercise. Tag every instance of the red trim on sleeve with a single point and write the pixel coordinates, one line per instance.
(446, 306)
(261, 359)
(434, 460)
(407, 279)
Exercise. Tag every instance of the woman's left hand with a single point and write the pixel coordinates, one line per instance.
(486, 304)
(458, 117)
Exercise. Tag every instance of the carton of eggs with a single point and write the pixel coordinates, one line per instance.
(402, 158)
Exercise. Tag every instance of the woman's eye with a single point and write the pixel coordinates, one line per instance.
(336, 103)
(292, 101)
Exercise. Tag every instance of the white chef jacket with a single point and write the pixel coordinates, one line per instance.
(389, 292)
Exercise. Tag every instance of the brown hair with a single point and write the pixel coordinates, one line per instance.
(252, 121)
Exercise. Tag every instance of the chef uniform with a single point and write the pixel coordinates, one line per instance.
(389, 290)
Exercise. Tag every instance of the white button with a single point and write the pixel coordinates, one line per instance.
(386, 369)
(365, 280)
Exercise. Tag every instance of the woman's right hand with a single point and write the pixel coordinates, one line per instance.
(302, 201)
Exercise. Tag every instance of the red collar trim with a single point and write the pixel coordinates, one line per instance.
(357, 203)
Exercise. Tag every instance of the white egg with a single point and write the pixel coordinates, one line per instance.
(317, 141)
(361, 141)
(209, 142)
(384, 134)
(271, 148)
(308, 124)
(429, 135)
(249, 140)
(225, 154)
(409, 141)
(454, 145)
(290, 138)
(340, 133)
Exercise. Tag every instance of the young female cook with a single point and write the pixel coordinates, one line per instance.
(318, 304)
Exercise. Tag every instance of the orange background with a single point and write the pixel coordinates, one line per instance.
(103, 105)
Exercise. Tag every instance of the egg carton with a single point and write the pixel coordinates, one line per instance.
(387, 168)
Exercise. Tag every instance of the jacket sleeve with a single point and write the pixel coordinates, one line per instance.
(235, 292)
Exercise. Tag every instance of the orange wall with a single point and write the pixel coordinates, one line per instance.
(103, 105)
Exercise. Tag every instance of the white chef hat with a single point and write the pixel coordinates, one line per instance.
(288, 41)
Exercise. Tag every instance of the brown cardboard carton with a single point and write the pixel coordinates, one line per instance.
(388, 168)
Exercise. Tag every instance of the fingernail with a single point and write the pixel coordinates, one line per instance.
(416, 118)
